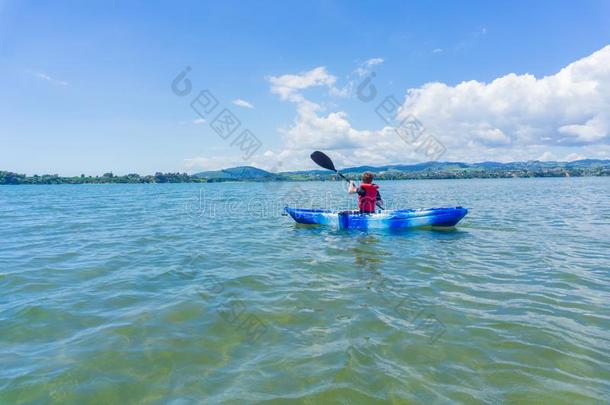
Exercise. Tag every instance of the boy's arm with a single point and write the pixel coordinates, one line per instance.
(352, 187)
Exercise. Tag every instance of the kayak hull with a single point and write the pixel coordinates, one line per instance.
(390, 219)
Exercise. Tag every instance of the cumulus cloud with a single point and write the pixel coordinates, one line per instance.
(515, 112)
(288, 86)
(242, 103)
(514, 117)
(562, 116)
(313, 130)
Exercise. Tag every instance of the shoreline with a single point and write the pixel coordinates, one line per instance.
(420, 171)
(355, 178)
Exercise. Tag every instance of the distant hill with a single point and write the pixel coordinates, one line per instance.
(418, 167)
(240, 173)
(426, 170)
(535, 168)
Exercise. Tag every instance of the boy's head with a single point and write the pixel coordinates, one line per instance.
(367, 178)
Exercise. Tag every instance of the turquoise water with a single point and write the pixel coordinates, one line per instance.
(187, 293)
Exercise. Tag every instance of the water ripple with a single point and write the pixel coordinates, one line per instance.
(181, 293)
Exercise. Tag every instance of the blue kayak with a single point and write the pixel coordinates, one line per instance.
(389, 219)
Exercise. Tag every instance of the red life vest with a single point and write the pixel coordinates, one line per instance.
(366, 202)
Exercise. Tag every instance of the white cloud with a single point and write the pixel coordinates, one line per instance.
(288, 86)
(366, 66)
(437, 50)
(374, 61)
(547, 156)
(198, 121)
(516, 117)
(242, 103)
(355, 78)
(591, 131)
(574, 156)
(46, 77)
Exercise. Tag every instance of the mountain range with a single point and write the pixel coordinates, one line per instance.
(427, 170)
(423, 170)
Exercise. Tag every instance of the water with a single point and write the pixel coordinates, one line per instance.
(149, 294)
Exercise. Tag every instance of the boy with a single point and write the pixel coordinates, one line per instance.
(368, 193)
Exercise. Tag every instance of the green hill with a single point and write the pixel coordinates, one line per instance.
(240, 173)
(426, 170)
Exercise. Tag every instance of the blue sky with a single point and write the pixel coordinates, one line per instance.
(86, 86)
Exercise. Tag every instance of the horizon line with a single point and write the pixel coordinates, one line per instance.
(308, 170)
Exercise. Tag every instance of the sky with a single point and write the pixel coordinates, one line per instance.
(94, 87)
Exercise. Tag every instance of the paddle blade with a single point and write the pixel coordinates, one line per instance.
(323, 161)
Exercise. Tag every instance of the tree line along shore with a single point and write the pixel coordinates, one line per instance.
(249, 174)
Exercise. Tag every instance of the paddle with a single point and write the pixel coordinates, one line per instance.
(322, 160)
